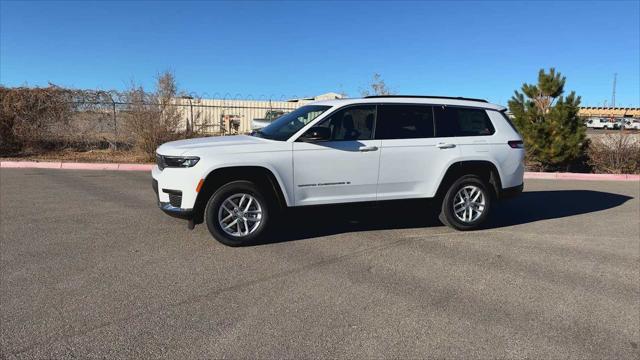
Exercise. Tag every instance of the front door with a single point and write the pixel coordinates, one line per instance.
(342, 169)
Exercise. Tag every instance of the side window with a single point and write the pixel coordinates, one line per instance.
(446, 121)
(404, 122)
(352, 123)
(452, 121)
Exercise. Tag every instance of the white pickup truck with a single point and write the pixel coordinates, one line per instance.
(602, 123)
(632, 124)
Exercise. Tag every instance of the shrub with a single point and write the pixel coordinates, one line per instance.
(27, 115)
(615, 154)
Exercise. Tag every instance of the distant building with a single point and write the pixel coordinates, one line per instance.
(599, 111)
(236, 116)
(604, 112)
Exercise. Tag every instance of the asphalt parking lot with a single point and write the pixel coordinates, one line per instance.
(91, 268)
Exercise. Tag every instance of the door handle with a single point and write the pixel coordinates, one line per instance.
(445, 145)
(368, 148)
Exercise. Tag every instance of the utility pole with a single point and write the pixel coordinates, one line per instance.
(189, 123)
(613, 102)
(613, 95)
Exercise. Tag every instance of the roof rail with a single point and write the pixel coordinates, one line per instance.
(425, 97)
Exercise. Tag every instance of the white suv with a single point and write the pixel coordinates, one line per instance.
(464, 152)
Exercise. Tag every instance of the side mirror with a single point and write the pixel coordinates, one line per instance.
(316, 133)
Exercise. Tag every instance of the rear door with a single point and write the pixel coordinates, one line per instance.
(470, 129)
(413, 157)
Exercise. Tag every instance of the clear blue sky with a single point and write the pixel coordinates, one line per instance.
(477, 49)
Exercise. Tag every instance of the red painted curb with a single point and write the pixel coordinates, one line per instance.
(148, 167)
(539, 175)
(88, 166)
(581, 176)
(135, 167)
(74, 166)
(30, 164)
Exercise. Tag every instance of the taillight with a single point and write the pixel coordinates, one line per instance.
(516, 144)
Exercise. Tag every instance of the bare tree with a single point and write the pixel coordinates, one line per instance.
(377, 87)
(153, 118)
(165, 95)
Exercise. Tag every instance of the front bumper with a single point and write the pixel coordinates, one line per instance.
(177, 180)
(169, 209)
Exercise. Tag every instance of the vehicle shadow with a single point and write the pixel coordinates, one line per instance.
(316, 221)
(533, 206)
(311, 222)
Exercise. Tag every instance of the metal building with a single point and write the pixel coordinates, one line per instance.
(236, 116)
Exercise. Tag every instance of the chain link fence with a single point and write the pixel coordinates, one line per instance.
(61, 118)
(109, 121)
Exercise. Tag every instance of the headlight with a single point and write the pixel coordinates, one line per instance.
(176, 161)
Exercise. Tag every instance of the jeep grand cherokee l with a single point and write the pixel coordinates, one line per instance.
(463, 152)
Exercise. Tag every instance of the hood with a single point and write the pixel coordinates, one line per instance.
(181, 147)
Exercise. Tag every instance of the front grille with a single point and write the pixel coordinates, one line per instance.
(175, 200)
(160, 162)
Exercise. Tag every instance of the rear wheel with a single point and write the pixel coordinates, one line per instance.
(237, 213)
(466, 204)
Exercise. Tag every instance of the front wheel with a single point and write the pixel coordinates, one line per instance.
(237, 213)
(466, 204)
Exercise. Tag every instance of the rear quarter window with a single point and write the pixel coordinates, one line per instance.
(454, 121)
(508, 119)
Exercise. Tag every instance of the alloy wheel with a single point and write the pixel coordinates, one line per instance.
(240, 215)
(469, 203)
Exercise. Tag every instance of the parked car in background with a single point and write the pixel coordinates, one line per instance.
(632, 124)
(269, 117)
(463, 152)
(602, 123)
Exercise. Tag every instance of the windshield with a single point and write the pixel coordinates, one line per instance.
(288, 124)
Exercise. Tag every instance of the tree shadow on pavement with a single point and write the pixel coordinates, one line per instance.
(311, 222)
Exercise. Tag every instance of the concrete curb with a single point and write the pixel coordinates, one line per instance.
(148, 167)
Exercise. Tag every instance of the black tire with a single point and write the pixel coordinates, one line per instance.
(447, 215)
(215, 202)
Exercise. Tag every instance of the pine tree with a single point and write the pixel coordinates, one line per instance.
(553, 133)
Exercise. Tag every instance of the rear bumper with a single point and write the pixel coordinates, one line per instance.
(169, 209)
(511, 191)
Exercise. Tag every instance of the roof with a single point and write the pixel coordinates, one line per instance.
(441, 100)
